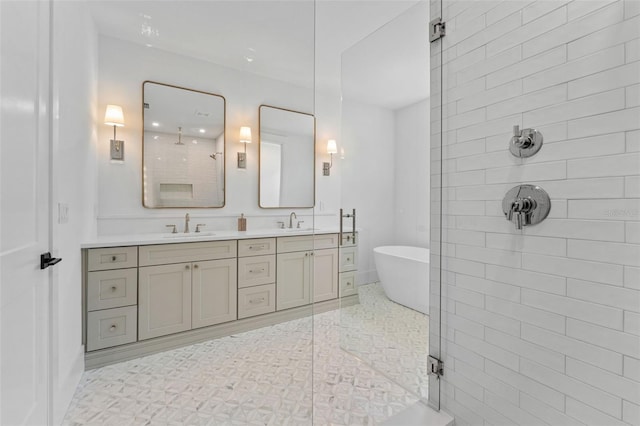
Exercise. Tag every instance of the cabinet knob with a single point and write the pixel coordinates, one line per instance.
(114, 288)
(306, 254)
(348, 259)
(187, 267)
(195, 266)
(112, 328)
(113, 258)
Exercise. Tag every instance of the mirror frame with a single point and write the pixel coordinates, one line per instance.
(224, 124)
(260, 160)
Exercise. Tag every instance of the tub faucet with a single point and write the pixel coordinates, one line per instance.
(291, 217)
(186, 223)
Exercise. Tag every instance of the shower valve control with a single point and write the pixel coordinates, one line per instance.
(525, 142)
(526, 205)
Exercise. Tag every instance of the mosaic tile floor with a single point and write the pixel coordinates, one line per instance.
(261, 377)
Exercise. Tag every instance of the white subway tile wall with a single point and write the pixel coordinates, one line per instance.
(539, 326)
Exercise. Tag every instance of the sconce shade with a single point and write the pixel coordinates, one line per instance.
(114, 116)
(245, 134)
(331, 147)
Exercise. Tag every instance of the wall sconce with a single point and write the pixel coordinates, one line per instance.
(331, 149)
(114, 117)
(245, 138)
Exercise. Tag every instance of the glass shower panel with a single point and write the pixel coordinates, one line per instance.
(384, 171)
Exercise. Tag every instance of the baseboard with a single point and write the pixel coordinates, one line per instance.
(116, 354)
(64, 393)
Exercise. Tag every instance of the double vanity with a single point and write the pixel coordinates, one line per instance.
(151, 293)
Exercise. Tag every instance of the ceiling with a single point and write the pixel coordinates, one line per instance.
(275, 38)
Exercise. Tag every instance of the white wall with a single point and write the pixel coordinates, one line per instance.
(541, 326)
(74, 184)
(411, 179)
(368, 172)
(124, 66)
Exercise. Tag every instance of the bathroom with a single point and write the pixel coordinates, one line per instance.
(534, 309)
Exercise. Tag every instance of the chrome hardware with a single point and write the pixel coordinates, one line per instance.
(114, 288)
(291, 217)
(353, 224)
(113, 328)
(525, 142)
(281, 224)
(198, 226)
(299, 222)
(195, 266)
(254, 301)
(175, 230)
(306, 255)
(113, 258)
(436, 367)
(436, 29)
(187, 267)
(251, 271)
(526, 205)
(186, 223)
(261, 246)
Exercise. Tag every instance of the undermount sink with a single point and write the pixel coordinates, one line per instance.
(298, 229)
(190, 235)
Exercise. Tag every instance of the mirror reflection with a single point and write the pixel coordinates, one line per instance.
(287, 158)
(183, 147)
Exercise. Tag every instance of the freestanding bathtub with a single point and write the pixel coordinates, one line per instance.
(404, 274)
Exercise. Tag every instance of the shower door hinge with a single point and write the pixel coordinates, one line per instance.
(436, 29)
(436, 367)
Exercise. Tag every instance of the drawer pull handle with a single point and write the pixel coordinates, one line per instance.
(113, 328)
(114, 288)
(260, 247)
(256, 271)
(114, 258)
(254, 301)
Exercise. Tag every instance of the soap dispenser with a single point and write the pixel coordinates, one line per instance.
(242, 223)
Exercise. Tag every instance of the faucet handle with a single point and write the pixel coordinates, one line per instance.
(198, 226)
(175, 231)
(299, 222)
(281, 224)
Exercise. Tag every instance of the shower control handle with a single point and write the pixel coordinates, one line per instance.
(526, 142)
(526, 205)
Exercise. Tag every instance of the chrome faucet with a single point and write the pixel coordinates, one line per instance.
(186, 224)
(291, 217)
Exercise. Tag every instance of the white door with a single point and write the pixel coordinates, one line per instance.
(24, 212)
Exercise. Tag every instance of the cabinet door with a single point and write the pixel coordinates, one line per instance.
(325, 275)
(293, 282)
(164, 300)
(215, 292)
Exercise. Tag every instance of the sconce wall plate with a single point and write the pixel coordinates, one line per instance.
(117, 150)
(242, 160)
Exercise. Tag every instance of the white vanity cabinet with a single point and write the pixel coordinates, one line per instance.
(348, 265)
(182, 296)
(144, 298)
(111, 289)
(297, 258)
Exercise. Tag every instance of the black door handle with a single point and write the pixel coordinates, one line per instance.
(46, 260)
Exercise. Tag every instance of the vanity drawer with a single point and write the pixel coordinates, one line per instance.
(256, 270)
(112, 289)
(348, 261)
(347, 284)
(111, 327)
(307, 242)
(256, 247)
(256, 300)
(163, 254)
(112, 258)
(348, 240)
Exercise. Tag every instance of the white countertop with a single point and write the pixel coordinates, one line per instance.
(169, 238)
